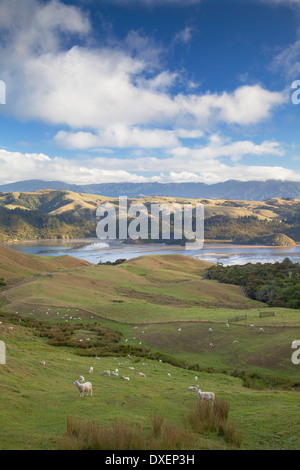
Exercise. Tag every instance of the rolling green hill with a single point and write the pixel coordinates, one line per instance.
(65, 312)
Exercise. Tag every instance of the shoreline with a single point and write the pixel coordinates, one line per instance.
(210, 243)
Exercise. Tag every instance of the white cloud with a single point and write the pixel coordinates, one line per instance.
(184, 36)
(287, 61)
(94, 89)
(246, 105)
(182, 165)
(16, 166)
(36, 27)
(118, 137)
(116, 97)
(84, 88)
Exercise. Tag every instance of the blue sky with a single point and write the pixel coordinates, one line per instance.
(149, 90)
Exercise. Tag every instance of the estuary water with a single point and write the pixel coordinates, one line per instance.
(95, 251)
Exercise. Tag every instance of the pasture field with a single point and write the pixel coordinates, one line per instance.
(37, 400)
(159, 304)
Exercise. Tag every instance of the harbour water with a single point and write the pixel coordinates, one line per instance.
(95, 251)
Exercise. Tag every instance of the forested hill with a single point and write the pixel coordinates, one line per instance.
(276, 284)
(233, 189)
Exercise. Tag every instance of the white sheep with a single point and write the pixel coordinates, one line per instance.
(84, 388)
(125, 378)
(252, 326)
(227, 325)
(115, 374)
(235, 342)
(194, 389)
(210, 330)
(106, 372)
(141, 374)
(91, 371)
(81, 379)
(261, 330)
(43, 363)
(206, 396)
(211, 345)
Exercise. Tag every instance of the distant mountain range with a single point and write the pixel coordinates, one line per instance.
(232, 189)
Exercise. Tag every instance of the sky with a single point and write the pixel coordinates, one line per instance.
(101, 91)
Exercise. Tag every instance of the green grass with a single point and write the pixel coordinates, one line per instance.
(38, 399)
(154, 295)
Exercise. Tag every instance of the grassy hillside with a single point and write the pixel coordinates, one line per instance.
(160, 307)
(39, 399)
(64, 214)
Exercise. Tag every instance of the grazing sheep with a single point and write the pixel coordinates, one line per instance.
(106, 372)
(91, 371)
(115, 374)
(125, 378)
(84, 388)
(196, 378)
(252, 326)
(227, 325)
(179, 329)
(43, 363)
(81, 379)
(141, 374)
(168, 374)
(210, 330)
(132, 368)
(194, 389)
(235, 342)
(206, 396)
(211, 345)
(261, 330)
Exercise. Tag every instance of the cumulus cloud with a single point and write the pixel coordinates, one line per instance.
(110, 97)
(118, 137)
(183, 164)
(97, 89)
